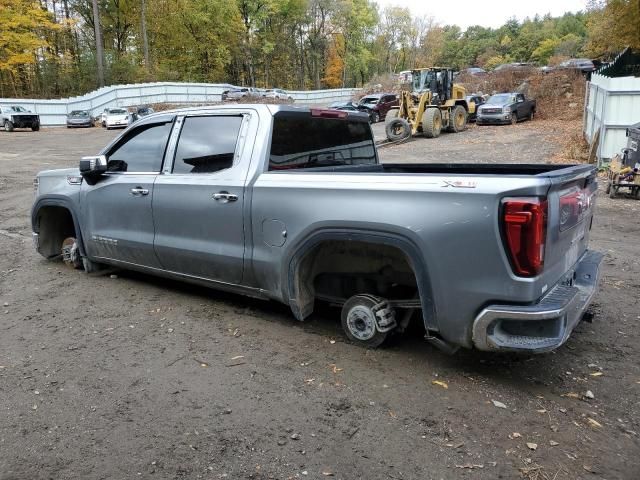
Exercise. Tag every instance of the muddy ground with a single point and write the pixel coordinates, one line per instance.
(138, 377)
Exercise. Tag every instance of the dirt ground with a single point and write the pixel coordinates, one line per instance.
(138, 377)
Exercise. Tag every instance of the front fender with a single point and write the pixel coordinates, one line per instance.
(53, 200)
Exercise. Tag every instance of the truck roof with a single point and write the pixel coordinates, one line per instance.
(271, 109)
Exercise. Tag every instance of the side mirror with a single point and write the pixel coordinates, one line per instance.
(92, 167)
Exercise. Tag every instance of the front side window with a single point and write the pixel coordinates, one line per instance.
(300, 141)
(207, 144)
(141, 151)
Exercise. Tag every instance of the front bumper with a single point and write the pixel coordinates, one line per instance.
(494, 119)
(25, 121)
(76, 123)
(546, 325)
(121, 123)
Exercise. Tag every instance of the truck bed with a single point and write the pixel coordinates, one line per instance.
(543, 170)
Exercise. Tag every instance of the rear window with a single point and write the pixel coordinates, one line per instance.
(300, 141)
(207, 144)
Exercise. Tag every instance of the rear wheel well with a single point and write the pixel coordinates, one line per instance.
(335, 270)
(53, 224)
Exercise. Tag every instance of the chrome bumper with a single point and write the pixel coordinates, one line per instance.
(546, 325)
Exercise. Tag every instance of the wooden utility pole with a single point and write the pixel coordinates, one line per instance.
(99, 46)
(145, 40)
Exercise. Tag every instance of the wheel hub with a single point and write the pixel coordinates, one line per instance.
(71, 253)
(361, 323)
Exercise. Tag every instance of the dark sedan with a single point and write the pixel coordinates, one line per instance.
(379, 104)
(353, 107)
(79, 118)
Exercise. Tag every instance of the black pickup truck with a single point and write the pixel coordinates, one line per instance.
(505, 108)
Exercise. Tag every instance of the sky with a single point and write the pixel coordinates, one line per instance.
(487, 13)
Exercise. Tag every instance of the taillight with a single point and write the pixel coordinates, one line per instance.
(524, 222)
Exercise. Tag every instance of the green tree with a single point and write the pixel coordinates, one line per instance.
(25, 29)
(612, 26)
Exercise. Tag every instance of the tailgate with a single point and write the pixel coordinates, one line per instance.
(571, 201)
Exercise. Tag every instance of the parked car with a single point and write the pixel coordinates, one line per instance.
(15, 116)
(474, 71)
(505, 108)
(140, 112)
(79, 118)
(406, 76)
(116, 118)
(144, 111)
(241, 93)
(354, 107)
(514, 66)
(310, 215)
(380, 104)
(477, 101)
(103, 117)
(277, 93)
(582, 65)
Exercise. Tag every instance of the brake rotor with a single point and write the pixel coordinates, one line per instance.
(70, 253)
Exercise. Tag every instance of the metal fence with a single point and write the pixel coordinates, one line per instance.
(612, 104)
(54, 112)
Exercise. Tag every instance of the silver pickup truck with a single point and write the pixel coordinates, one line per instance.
(292, 204)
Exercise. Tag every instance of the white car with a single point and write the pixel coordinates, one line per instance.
(277, 93)
(116, 118)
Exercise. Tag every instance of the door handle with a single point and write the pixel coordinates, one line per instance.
(225, 197)
(139, 191)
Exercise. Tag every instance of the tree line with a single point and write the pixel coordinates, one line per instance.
(54, 48)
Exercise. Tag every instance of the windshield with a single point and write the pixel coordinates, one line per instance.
(422, 80)
(300, 141)
(501, 99)
(15, 108)
(118, 111)
(369, 101)
(79, 113)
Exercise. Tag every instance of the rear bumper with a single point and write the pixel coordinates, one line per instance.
(546, 325)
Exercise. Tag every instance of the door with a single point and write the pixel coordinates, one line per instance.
(116, 211)
(197, 205)
(521, 106)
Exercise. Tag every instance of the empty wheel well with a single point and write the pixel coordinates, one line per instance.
(338, 269)
(53, 224)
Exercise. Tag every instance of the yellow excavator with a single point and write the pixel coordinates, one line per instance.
(433, 104)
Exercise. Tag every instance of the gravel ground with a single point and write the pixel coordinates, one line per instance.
(522, 143)
(138, 377)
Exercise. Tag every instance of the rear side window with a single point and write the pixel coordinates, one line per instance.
(300, 141)
(207, 144)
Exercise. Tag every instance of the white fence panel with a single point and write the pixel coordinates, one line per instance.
(54, 112)
(613, 105)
